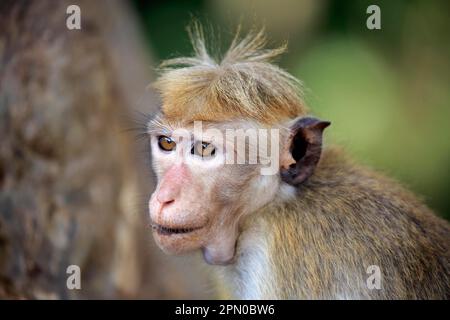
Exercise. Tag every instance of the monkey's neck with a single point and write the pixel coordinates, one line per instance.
(254, 273)
(246, 278)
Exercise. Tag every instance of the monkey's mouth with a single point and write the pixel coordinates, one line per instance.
(163, 230)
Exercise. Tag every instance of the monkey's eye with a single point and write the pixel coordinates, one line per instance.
(166, 143)
(203, 149)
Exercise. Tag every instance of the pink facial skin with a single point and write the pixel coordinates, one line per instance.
(176, 216)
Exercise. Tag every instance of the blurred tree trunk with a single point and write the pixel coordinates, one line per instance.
(71, 187)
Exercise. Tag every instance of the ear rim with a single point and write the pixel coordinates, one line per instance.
(311, 130)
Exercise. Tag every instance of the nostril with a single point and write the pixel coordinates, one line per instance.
(164, 201)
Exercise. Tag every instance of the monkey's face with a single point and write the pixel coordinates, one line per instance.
(211, 175)
(201, 196)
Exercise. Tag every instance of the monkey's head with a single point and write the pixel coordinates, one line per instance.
(232, 137)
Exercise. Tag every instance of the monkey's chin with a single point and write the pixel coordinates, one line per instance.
(178, 243)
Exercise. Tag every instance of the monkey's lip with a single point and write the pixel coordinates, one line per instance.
(172, 230)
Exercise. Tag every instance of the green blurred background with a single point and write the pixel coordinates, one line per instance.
(386, 91)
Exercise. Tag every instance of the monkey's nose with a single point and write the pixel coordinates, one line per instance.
(165, 203)
(165, 198)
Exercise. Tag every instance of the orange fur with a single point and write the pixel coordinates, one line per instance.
(244, 84)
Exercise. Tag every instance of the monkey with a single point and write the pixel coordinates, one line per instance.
(312, 229)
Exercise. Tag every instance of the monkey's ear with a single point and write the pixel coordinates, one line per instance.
(302, 151)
